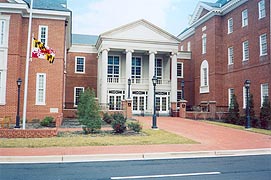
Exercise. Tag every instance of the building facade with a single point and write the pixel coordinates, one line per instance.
(230, 43)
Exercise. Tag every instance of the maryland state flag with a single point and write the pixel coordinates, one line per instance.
(41, 51)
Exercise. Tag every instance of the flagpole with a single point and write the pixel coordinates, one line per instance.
(27, 63)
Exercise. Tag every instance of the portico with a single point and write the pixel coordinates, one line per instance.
(138, 51)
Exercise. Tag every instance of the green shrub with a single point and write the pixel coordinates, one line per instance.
(135, 126)
(47, 121)
(118, 123)
(233, 115)
(265, 114)
(107, 118)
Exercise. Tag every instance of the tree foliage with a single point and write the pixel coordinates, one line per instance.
(265, 114)
(88, 112)
(233, 115)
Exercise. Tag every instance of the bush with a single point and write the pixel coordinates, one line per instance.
(107, 118)
(88, 112)
(47, 121)
(233, 115)
(265, 114)
(118, 123)
(135, 126)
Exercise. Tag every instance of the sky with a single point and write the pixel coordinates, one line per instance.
(94, 17)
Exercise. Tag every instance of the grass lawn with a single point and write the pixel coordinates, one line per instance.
(255, 130)
(147, 137)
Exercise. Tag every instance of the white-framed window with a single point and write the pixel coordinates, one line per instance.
(179, 97)
(204, 41)
(182, 48)
(264, 92)
(261, 7)
(204, 77)
(1, 86)
(136, 69)
(263, 45)
(43, 34)
(244, 18)
(230, 95)
(188, 46)
(80, 64)
(113, 69)
(76, 94)
(159, 69)
(245, 51)
(40, 88)
(2, 32)
(230, 25)
(230, 55)
(180, 69)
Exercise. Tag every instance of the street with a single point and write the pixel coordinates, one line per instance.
(241, 167)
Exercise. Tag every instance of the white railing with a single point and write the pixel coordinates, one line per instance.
(137, 81)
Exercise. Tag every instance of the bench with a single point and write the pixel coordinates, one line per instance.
(5, 122)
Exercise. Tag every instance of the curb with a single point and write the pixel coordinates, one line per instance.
(130, 157)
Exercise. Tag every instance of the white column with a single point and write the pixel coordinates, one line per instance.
(128, 71)
(174, 77)
(151, 74)
(104, 62)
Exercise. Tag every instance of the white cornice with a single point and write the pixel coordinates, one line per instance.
(82, 49)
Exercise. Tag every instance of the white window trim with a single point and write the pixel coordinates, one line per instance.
(5, 19)
(188, 46)
(244, 18)
(182, 70)
(204, 43)
(261, 45)
(262, 97)
(141, 69)
(182, 48)
(46, 38)
(230, 26)
(244, 54)
(3, 87)
(230, 56)
(37, 89)
(84, 64)
(259, 9)
(119, 64)
(156, 67)
(204, 88)
(74, 94)
(229, 96)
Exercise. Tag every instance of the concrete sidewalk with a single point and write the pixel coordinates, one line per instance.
(214, 141)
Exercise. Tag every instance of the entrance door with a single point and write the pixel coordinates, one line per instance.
(162, 103)
(139, 102)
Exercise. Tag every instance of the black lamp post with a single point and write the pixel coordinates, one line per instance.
(182, 85)
(154, 82)
(247, 86)
(129, 85)
(19, 83)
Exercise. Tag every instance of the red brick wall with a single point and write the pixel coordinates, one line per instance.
(32, 133)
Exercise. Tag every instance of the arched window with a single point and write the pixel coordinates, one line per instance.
(204, 77)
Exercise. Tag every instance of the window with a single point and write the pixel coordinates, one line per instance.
(1, 88)
(77, 91)
(159, 69)
(244, 97)
(189, 46)
(43, 34)
(113, 69)
(261, 6)
(204, 40)
(264, 92)
(245, 51)
(2, 32)
(79, 64)
(180, 70)
(136, 69)
(230, 95)
(263, 45)
(40, 88)
(244, 18)
(204, 77)
(230, 25)
(182, 48)
(230, 55)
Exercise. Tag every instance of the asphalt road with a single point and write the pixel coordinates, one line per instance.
(243, 167)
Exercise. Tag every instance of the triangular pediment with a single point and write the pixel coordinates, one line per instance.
(140, 30)
(201, 10)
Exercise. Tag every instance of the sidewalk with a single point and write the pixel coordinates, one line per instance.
(214, 140)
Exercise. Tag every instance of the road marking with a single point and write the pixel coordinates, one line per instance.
(168, 175)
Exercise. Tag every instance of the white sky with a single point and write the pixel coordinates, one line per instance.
(94, 17)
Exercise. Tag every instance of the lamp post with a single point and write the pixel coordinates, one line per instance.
(154, 82)
(182, 85)
(19, 83)
(247, 86)
(129, 85)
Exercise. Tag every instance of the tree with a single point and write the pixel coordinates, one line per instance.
(254, 119)
(88, 112)
(233, 115)
(265, 114)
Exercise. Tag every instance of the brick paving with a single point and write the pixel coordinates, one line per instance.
(210, 138)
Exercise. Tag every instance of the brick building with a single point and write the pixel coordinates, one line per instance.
(230, 43)
(51, 24)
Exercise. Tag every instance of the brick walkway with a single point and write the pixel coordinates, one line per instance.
(210, 137)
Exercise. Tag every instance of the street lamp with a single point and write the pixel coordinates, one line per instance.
(182, 85)
(247, 86)
(154, 82)
(19, 83)
(129, 85)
